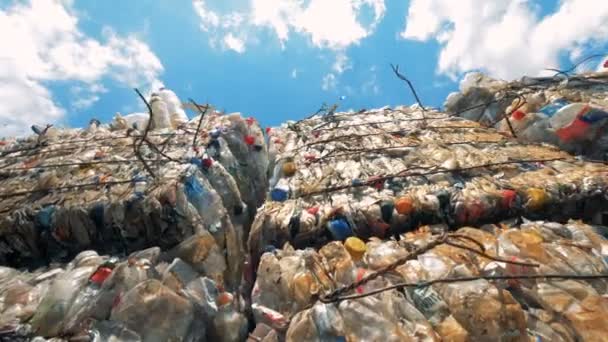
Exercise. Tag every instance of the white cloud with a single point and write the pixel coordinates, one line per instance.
(372, 85)
(234, 43)
(329, 82)
(209, 19)
(329, 24)
(41, 43)
(294, 73)
(505, 38)
(85, 97)
(342, 63)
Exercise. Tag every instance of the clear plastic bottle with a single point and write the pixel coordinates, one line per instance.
(160, 113)
(228, 324)
(176, 112)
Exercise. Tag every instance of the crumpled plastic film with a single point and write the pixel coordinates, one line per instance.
(289, 283)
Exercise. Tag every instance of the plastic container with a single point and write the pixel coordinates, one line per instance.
(154, 312)
(176, 112)
(160, 113)
(552, 108)
(229, 325)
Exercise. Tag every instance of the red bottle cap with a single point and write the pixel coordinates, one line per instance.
(207, 162)
(313, 210)
(100, 275)
(249, 140)
(518, 115)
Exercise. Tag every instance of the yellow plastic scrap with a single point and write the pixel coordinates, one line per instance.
(537, 198)
(355, 247)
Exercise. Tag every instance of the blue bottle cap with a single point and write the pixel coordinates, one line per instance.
(279, 195)
(339, 229)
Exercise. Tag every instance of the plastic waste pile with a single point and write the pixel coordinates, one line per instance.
(441, 294)
(338, 227)
(569, 111)
(118, 189)
(148, 296)
(383, 172)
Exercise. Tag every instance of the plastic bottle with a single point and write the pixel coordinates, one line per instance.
(229, 325)
(155, 312)
(85, 302)
(50, 316)
(160, 113)
(176, 112)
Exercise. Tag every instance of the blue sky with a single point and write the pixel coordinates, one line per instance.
(276, 60)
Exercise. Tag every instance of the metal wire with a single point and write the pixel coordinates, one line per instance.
(422, 284)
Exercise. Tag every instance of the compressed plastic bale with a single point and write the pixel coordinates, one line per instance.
(154, 312)
(51, 313)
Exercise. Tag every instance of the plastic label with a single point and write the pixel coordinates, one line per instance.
(426, 299)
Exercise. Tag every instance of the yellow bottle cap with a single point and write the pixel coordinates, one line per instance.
(355, 247)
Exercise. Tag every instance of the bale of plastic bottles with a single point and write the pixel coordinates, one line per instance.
(118, 189)
(150, 295)
(498, 283)
(384, 172)
(568, 111)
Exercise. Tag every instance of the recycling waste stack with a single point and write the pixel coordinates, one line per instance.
(406, 292)
(384, 172)
(176, 295)
(116, 189)
(568, 111)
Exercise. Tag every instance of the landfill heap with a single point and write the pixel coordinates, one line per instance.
(392, 224)
(569, 111)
